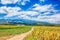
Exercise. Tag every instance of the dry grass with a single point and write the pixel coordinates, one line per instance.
(44, 33)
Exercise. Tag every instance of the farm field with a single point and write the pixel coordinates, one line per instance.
(7, 31)
(44, 33)
(38, 33)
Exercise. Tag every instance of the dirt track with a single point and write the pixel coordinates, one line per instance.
(21, 36)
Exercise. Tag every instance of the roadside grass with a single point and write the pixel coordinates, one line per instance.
(7, 30)
(44, 33)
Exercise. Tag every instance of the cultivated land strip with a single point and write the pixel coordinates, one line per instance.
(21, 36)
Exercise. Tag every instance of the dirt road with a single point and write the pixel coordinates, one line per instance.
(21, 36)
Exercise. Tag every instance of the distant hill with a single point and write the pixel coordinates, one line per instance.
(22, 21)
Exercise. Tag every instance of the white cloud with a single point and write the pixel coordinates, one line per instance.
(8, 1)
(55, 18)
(27, 14)
(2, 11)
(23, 2)
(10, 10)
(47, 9)
(43, 8)
(51, 19)
(22, 14)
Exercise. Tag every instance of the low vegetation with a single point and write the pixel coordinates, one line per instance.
(44, 33)
(6, 30)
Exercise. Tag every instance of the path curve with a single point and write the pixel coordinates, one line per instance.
(21, 36)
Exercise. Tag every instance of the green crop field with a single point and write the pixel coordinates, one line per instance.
(38, 33)
(44, 33)
(6, 30)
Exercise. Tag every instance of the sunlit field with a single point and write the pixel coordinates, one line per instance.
(44, 33)
(6, 30)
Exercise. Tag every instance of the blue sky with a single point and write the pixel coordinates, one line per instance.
(32, 2)
(37, 10)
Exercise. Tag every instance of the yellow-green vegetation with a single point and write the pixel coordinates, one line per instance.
(44, 33)
(6, 30)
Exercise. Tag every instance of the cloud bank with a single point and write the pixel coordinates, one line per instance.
(43, 13)
(22, 2)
